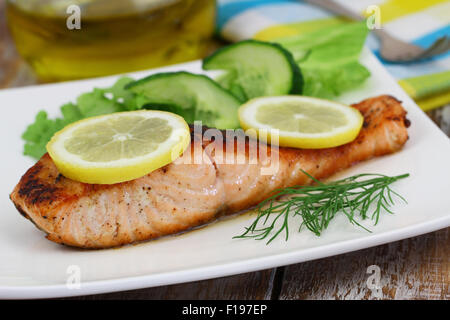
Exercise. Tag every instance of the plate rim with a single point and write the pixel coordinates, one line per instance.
(216, 271)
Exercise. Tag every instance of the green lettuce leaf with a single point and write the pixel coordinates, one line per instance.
(328, 58)
(123, 96)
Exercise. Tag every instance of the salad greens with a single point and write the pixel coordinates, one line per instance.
(327, 58)
(87, 105)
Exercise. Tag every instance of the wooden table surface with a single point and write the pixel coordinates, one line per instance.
(415, 268)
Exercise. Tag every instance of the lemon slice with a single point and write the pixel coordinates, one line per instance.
(118, 147)
(301, 122)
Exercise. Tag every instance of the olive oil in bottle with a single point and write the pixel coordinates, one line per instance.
(114, 36)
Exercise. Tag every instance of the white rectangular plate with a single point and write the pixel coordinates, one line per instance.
(33, 267)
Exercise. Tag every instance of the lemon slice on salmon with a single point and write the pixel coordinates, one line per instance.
(118, 147)
(301, 122)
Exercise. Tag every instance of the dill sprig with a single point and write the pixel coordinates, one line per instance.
(366, 195)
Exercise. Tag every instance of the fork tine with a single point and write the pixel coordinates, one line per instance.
(436, 46)
(440, 46)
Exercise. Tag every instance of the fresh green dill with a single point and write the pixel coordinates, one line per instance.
(366, 195)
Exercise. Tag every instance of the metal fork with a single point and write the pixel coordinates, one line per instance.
(391, 48)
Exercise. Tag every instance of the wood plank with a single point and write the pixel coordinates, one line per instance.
(247, 286)
(441, 116)
(415, 268)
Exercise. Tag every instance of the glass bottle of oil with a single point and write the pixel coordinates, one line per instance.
(73, 39)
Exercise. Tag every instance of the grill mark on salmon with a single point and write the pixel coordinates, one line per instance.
(181, 195)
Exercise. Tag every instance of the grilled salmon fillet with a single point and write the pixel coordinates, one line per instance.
(188, 193)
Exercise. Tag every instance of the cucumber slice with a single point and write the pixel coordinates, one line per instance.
(256, 68)
(192, 96)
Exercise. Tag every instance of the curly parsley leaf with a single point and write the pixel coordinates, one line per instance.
(89, 104)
